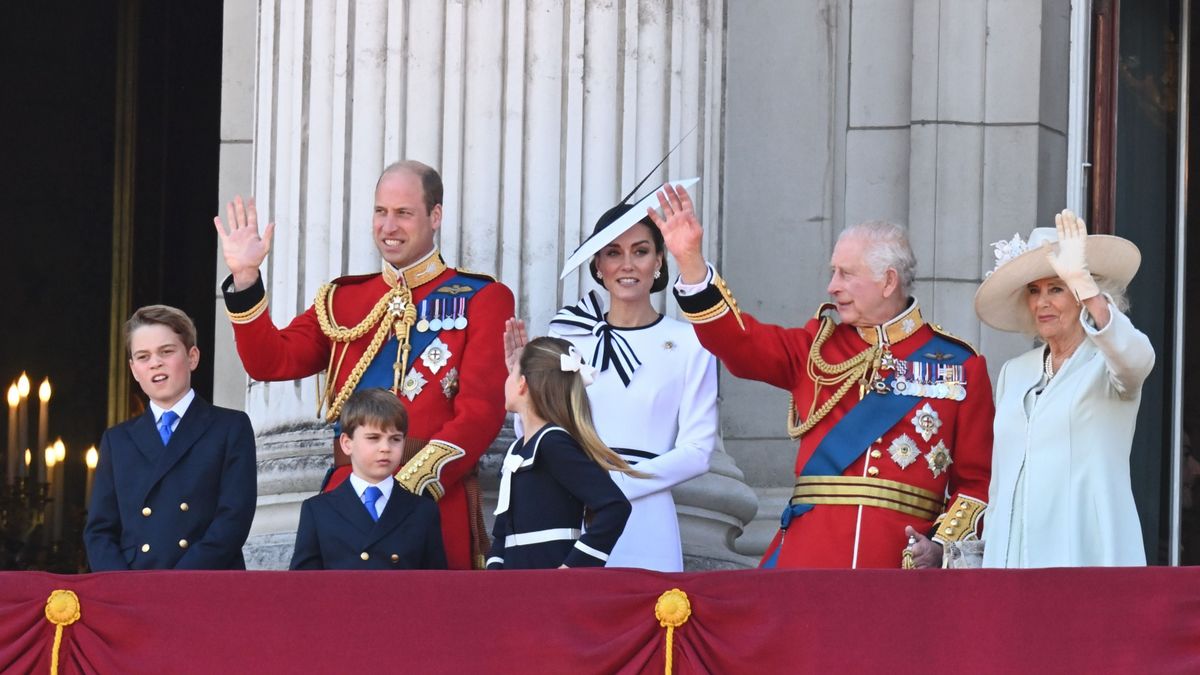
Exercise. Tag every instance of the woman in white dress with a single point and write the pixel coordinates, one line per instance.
(654, 400)
(1060, 491)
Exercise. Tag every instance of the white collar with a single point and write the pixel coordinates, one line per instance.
(361, 484)
(180, 407)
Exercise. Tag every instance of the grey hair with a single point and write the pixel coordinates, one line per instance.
(887, 248)
(1118, 293)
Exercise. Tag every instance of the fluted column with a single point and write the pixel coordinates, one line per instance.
(540, 115)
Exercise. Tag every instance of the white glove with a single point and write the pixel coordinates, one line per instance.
(1070, 263)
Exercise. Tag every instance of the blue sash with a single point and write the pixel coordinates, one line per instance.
(381, 372)
(874, 415)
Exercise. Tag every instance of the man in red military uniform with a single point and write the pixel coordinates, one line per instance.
(894, 416)
(430, 333)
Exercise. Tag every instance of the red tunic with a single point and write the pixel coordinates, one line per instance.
(849, 535)
(459, 417)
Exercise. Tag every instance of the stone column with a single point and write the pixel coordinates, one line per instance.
(540, 115)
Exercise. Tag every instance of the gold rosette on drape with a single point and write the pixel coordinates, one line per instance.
(672, 611)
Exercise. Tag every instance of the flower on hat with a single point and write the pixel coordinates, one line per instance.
(1006, 250)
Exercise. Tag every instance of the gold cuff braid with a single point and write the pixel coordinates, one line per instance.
(961, 520)
(423, 471)
(249, 315)
(727, 304)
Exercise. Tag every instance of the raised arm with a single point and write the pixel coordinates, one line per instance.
(681, 232)
(244, 250)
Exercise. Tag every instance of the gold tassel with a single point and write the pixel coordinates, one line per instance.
(672, 610)
(62, 609)
(906, 559)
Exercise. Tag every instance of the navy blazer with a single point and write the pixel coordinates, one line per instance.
(187, 505)
(337, 533)
(552, 481)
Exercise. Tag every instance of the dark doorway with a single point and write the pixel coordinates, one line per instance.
(110, 133)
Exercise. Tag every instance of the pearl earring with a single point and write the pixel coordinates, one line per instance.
(657, 273)
(598, 277)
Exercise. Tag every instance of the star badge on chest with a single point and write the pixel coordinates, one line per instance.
(450, 383)
(414, 383)
(926, 421)
(938, 459)
(904, 451)
(436, 355)
(397, 305)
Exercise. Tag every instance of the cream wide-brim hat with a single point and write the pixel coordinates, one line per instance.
(1000, 301)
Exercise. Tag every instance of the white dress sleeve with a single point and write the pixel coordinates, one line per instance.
(696, 438)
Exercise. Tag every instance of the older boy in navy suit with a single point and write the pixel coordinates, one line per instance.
(176, 486)
(370, 522)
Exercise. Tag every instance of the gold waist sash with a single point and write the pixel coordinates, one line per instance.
(861, 491)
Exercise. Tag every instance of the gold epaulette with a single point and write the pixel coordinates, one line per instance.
(423, 472)
(954, 338)
(961, 521)
(474, 274)
(249, 315)
(727, 304)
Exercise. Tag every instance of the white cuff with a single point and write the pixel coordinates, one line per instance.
(692, 289)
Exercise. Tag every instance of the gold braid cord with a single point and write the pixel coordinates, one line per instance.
(856, 369)
(375, 319)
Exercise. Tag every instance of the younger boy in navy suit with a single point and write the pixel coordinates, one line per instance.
(176, 486)
(370, 522)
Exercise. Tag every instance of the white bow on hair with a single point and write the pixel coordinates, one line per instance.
(572, 362)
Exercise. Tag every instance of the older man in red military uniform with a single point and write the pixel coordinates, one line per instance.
(430, 333)
(894, 416)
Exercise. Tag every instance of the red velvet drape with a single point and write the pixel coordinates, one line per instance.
(602, 621)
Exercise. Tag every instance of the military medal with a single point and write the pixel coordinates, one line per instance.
(938, 459)
(904, 451)
(423, 324)
(414, 382)
(460, 323)
(926, 422)
(436, 355)
(436, 324)
(450, 383)
(396, 306)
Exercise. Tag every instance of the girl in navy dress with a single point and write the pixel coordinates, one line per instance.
(555, 478)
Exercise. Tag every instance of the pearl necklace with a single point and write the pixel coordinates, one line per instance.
(1048, 366)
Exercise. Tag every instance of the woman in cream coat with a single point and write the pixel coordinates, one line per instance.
(1060, 491)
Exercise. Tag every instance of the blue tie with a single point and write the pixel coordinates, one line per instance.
(164, 425)
(369, 497)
